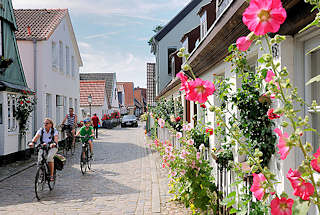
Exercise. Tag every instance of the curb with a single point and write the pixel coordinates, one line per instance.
(18, 171)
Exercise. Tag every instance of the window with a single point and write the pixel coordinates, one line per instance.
(120, 97)
(67, 61)
(61, 57)
(170, 51)
(12, 123)
(70, 103)
(72, 66)
(76, 106)
(54, 56)
(65, 108)
(48, 105)
(203, 25)
(1, 39)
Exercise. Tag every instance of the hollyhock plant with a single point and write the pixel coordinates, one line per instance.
(294, 177)
(315, 163)
(243, 43)
(282, 145)
(281, 206)
(161, 122)
(199, 90)
(256, 188)
(272, 115)
(184, 154)
(264, 16)
(269, 76)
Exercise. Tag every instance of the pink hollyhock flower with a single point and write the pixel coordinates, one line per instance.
(184, 81)
(269, 76)
(161, 122)
(281, 206)
(272, 115)
(256, 188)
(184, 154)
(243, 43)
(199, 90)
(315, 163)
(193, 165)
(301, 188)
(282, 145)
(263, 16)
(183, 172)
(156, 142)
(190, 142)
(178, 135)
(198, 155)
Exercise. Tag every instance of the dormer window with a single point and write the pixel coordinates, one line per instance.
(203, 25)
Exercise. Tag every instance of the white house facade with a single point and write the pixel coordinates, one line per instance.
(51, 60)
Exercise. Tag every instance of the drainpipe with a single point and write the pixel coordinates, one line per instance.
(35, 85)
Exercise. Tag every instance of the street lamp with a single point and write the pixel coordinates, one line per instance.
(90, 102)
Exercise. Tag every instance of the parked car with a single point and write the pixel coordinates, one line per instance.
(129, 120)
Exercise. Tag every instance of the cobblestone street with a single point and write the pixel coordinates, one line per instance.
(124, 180)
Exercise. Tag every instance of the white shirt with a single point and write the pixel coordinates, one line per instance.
(47, 136)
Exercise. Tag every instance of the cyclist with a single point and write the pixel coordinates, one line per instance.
(95, 122)
(48, 135)
(71, 119)
(87, 130)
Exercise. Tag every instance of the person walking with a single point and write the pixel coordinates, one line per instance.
(95, 122)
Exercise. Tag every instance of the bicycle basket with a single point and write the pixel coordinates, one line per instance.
(59, 161)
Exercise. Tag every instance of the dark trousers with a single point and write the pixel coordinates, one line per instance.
(96, 131)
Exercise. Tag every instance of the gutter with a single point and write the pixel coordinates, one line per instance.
(35, 84)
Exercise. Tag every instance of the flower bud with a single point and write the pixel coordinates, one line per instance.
(284, 124)
(182, 49)
(180, 54)
(211, 108)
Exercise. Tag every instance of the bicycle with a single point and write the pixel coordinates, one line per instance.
(43, 172)
(86, 162)
(68, 141)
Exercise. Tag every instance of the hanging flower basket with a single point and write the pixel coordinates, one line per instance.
(25, 106)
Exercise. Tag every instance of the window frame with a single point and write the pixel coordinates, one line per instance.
(61, 58)
(12, 104)
(68, 60)
(54, 56)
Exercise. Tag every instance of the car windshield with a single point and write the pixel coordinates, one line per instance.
(130, 117)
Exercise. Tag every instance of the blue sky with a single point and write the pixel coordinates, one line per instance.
(112, 34)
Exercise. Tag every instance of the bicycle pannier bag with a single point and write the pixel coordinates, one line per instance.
(59, 161)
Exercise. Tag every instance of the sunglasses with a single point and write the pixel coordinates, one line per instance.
(46, 123)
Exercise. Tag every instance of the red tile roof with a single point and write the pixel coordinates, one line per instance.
(41, 22)
(128, 93)
(97, 89)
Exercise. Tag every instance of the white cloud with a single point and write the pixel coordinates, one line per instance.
(127, 66)
(105, 35)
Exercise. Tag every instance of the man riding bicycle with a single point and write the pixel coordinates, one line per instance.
(87, 132)
(71, 119)
(47, 135)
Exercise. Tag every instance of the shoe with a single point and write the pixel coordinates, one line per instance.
(91, 155)
(51, 178)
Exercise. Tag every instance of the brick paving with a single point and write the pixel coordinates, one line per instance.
(126, 179)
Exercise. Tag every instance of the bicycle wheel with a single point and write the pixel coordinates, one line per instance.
(83, 164)
(72, 146)
(40, 182)
(51, 184)
(89, 159)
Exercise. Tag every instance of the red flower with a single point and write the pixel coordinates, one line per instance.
(263, 16)
(203, 106)
(301, 188)
(209, 130)
(281, 206)
(256, 188)
(272, 115)
(21, 102)
(243, 43)
(23, 91)
(315, 163)
(178, 119)
(28, 101)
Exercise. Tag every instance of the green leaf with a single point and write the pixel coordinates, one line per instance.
(232, 194)
(232, 202)
(261, 60)
(317, 79)
(310, 129)
(300, 207)
(233, 211)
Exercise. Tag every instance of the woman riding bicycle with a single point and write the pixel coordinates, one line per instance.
(48, 135)
(87, 131)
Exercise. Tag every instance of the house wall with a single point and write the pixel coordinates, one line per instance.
(172, 40)
(51, 81)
